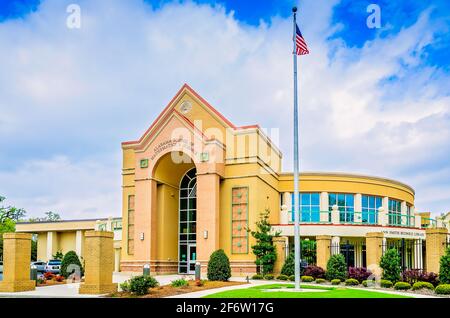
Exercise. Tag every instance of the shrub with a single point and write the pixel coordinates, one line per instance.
(283, 277)
(358, 273)
(351, 282)
(41, 281)
(444, 269)
(125, 286)
(402, 286)
(430, 278)
(49, 276)
(269, 276)
(288, 266)
(336, 281)
(59, 278)
(320, 280)
(336, 268)
(219, 266)
(199, 282)
(140, 285)
(292, 278)
(422, 285)
(443, 289)
(257, 276)
(386, 283)
(307, 279)
(368, 283)
(414, 275)
(314, 271)
(179, 283)
(71, 264)
(390, 263)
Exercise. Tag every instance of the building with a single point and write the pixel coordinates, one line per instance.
(194, 182)
(68, 235)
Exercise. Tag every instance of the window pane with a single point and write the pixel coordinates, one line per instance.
(365, 200)
(315, 199)
(349, 199)
(306, 199)
(341, 199)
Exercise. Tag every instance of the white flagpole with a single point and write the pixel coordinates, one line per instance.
(296, 167)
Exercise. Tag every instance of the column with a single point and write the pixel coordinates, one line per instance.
(207, 216)
(16, 263)
(374, 251)
(417, 220)
(435, 247)
(323, 250)
(418, 256)
(280, 245)
(52, 244)
(382, 217)
(335, 245)
(287, 198)
(324, 207)
(335, 219)
(117, 259)
(386, 211)
(109, 224)
(358, 208)
(284, 215)
(79, 243)
(99, 263)
(403, 209)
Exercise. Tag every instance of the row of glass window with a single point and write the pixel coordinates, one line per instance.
(309, 204)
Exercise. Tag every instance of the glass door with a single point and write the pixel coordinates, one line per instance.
(192, 258)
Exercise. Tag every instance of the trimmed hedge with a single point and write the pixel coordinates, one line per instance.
(257, 276)
(443, 289)
(351, 282)
(336, 281)
(140, 285)
(422, 285)
(269, 276)
(402, 286)
(320, 280)
(292, 278)
(307, 279)
(219, 266)
(336, 268)
(282, 277)
(386, 283)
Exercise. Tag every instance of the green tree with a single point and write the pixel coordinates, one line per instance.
(288, 268)
(219, 266)
(49, 216)
(336, 267)
(264, 249)
(59, 255)
(391, 265)
(71, 265)
(8, 217)
(444, 268)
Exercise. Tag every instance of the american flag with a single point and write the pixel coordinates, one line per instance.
(300, 44)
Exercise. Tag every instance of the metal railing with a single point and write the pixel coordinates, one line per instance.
(396, 219)
(432, 223)
(312, 217)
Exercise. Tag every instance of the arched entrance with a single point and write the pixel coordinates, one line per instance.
(187, 236)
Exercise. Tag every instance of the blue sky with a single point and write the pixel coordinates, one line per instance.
(373, 101)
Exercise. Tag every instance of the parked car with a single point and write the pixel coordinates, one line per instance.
(1, 267)
(40, 266)
(53, 266)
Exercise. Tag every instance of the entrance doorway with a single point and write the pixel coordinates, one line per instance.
(187, 236)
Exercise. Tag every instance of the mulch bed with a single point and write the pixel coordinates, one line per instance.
(168, 290)
(50, 283)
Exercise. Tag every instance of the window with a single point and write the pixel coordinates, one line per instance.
(309, 207)
(345, 203)
(409, 217)
(130, 246)
(370, 206)
(395, 212)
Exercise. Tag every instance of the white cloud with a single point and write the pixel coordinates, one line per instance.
(80, 93)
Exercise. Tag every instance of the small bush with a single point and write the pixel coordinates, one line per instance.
(288, 266)
(179, 283)
(219, 266)
(390, 263)
(59, 278)
(307, 279)
(49, 276)
(283, 277)
(257, 276)
(336, 268)
(351, 282)
(443, 289)
(314, 271)
(422, 285)
(336, 281)
(199, 282)
(386, 283)
(71, 264)
(125, 286)
(140, 285)
(320, 280)
(368, 283)
(414, 275)
(41, 281)
(358, 273)
(292, 278)
(444, 269)
(269, 276)
(402, 286)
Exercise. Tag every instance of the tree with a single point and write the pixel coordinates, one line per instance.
(8, 217)
(288, 268)
(59, 255)
(219, 266)
(71, 265)
(49, 217)
(336, 267)
(444, 269)
(264, 249)
(391, 265)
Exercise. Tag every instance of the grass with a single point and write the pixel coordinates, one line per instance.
(331, 292)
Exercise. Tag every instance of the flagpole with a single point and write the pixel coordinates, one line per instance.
(296, 167)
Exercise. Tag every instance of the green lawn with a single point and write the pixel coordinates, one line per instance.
(331, 292)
